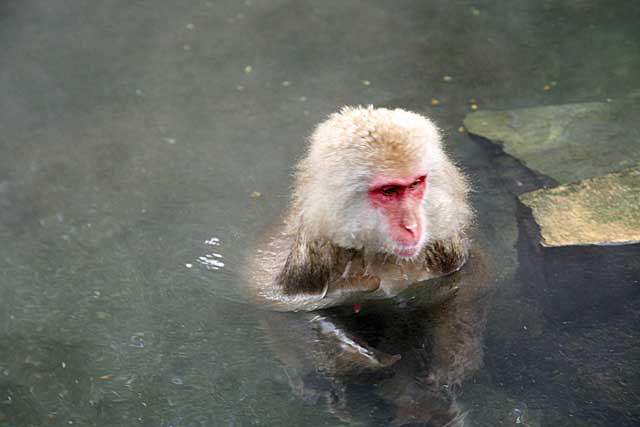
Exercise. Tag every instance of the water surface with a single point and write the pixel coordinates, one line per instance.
(145, 145)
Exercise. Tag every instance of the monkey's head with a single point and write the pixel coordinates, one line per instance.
(379, 180)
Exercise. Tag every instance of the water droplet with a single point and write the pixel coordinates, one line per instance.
(136, 341)
(209, 262)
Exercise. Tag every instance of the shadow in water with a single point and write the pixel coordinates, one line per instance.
(395, 362)
(569, 342)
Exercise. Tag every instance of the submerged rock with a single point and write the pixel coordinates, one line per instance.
(566, 142)
(601, 210)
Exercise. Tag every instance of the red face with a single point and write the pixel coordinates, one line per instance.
(399, 200)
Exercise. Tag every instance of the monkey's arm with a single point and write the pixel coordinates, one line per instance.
(444, 257)
(317, 274)
(333, 293)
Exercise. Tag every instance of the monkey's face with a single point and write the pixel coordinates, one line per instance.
(379, 180)
(399, 201)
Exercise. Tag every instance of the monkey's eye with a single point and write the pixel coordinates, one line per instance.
(390, 191)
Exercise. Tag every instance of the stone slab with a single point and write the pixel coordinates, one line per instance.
(602, 210)
(566, 142)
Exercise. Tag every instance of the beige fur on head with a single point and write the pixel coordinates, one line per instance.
(353, 146)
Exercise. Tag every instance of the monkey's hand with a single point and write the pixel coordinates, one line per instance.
(361, 283)
(353, 285)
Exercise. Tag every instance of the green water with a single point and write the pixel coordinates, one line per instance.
(135, 137)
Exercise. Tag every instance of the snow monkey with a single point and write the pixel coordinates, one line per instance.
(378, 214)
(377, 206)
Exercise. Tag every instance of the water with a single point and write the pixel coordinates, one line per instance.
(145, 145)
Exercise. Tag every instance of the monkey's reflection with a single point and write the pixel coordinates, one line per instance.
(400, 358)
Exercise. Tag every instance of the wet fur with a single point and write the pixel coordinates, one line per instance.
(333, 243)
(311, 267)
(331, 239)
